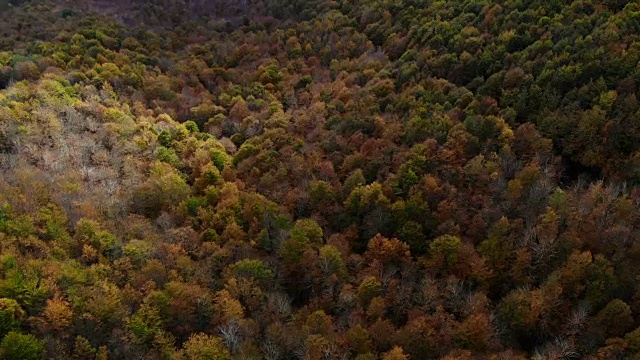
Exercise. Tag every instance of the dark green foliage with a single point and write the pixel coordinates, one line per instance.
(191, 126)
(303, 82)
(67, 13)
(218, 159)
(164, 138)
(10, 316)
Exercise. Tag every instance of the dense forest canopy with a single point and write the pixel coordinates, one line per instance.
(289, 179)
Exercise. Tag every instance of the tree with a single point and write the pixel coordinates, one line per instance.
(83, 349)
(228, 308)
(331, 261)
(474, 332)
(205, 347)
(16, 346)
(105, 305)
(387, 251)
(252, 269)
(633, 339)
(370, 209)
(359, 339)
(209, 176)
(319, 323)
(412, 233)
(10, 315)
(444, 251)
(304, 234)
(164, 188)
(368, 289)
(615, 319)
(58, 314)
(519, 311)
(395, 354)
(271, 75)
(145, 324)
(418, 337)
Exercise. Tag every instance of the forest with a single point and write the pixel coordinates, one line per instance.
(319, 179)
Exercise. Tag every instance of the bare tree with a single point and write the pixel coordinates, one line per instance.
(281, 304)
(578, 318)
(271, 350)
(231, 335)
(558, 349)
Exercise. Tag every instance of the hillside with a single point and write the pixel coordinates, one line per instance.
(288, 179)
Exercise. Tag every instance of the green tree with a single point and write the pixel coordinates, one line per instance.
(331, 261)
(164, 138)
(164, 188)
(305, 234)
(252, 269)
(368, 289)
(615, 319)
(10, 315)
(16, 346)
(83, 349)
(444, 250)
